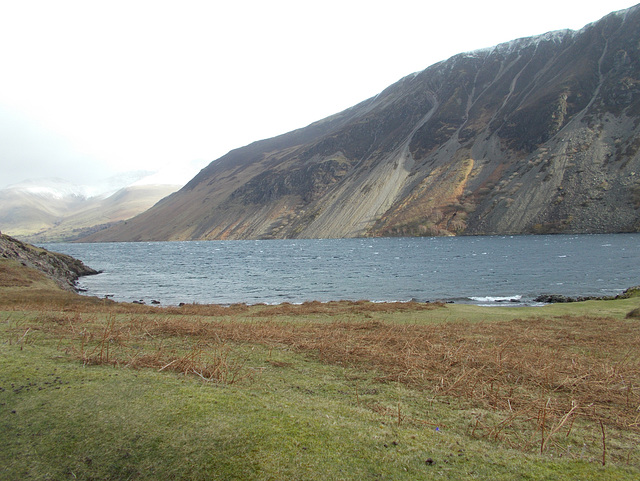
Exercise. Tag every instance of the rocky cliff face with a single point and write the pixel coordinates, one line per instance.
(63, 269)
(536, 135)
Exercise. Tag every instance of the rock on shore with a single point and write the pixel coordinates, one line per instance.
(63, 269)
(558, 298)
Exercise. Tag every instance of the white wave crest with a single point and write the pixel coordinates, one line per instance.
(497, 299)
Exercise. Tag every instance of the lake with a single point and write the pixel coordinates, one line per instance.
(488, 270)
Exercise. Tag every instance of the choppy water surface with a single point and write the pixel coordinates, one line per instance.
(482, 270)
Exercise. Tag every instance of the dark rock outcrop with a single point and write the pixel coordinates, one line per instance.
(63, 269)
(559, 298)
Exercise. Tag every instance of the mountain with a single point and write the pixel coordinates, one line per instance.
(537, 135)
(56, 210)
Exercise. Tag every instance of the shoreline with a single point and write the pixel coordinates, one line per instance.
(484, 301)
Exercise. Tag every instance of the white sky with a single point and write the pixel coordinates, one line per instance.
(92, 88)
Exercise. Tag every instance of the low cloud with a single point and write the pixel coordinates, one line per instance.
(30, 151)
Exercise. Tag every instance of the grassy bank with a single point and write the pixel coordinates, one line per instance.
(91, 389)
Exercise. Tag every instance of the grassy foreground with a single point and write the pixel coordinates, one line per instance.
(91, 389)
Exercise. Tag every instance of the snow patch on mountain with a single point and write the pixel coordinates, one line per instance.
(504, 48)
(50, 187)
(57, 188)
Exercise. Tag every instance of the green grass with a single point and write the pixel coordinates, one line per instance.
(95, 390)
(296, 419)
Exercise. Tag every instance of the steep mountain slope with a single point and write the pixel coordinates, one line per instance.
(55, 210)
(536, 135)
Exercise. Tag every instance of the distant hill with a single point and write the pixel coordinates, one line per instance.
(55, 210)
(537, 135)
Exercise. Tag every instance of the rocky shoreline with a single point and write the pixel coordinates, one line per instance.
(558, 298)
(63, 269)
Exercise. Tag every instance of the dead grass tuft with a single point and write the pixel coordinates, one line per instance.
(634, 314)
(343, 307)
(10, 276)
(207, 309)
(514, 366)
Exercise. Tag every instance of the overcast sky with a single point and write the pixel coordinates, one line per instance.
(93, 88)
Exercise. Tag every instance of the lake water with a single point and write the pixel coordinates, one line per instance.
(495, 270)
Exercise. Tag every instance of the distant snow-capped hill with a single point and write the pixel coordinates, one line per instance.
(57, 210)
(50, 188)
